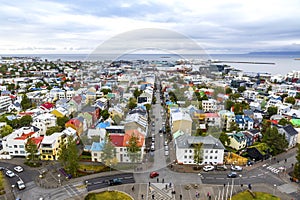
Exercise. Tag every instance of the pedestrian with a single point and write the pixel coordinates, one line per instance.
(163, 180)
(208, 194)
(170, 185)
(152, 196)
(209, 198)
(224, 184)
(285, 160)
(157, 180)
(149, 183)
(180, 196)
(142, 196)
(166, 186)
(132, 188)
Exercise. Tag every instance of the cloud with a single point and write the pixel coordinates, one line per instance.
(67, 26)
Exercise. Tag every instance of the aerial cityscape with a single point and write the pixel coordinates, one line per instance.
(149, 100)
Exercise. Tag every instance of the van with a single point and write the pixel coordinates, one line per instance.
(166, 153)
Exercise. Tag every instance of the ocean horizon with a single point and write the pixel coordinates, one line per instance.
(283, 62)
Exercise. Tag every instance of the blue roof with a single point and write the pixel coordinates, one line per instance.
(239, 119)
(97, 146)
(103, 124)
(11, 117)
(248, 119)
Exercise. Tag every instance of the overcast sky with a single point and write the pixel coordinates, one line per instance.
(219, 26)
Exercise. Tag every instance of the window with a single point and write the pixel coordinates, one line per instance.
(121, 149)
(190, 157)
(15, 146)
(22, 152)
(216, 157)
(206, 151)
(21, 146)
(211, 151)
(185, 157)
(206, 157)
(16, 152)
(44, 156)
(210, 157)
(95, 154)
(185, 151)
(216, 151)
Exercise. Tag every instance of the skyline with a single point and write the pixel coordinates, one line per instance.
(81, 26)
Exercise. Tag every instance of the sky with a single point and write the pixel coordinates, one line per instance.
(218, 26)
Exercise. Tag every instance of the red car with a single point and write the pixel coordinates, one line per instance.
(154, 174)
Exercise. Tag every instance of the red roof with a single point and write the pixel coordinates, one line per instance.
(74, 121)
(136, 133)
(37, 140)
(117, 139)
(273, 121)
(77, 99)
(211, 115)
(24, 136)
(47, 105)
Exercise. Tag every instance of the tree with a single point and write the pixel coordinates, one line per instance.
(224, 138)
(105, 91)
(6, 130)
(133, 149)
(228, 90)
(61, 121)
(290, 100)
(32, 149)
(108, 152)
(53, 129)
(117, 119)
(228, 104)
(68, 156)
(137, 93)
(297, 95)
(25, 121)
(234, 96)
(275, 140)
(233, 126)
(297, 164)
(198, 153)
(104, 114)
(199, 132)
(132, 103)
(241, 89)
(25, 103)
(283, 96)
(283, 121)
(173, 97)
(272, 110)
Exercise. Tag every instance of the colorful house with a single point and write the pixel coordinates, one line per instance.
(76, 124)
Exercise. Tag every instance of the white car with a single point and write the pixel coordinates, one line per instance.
(21, 185)
(10, 173)
(236, 168)
(208, 168)
(18, 169)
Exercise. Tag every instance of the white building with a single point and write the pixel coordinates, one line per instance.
(212, 149)
(5, 102)
(209, 105)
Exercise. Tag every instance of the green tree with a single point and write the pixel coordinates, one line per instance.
(11, 87)
(224, 138)
(198, 153)
(228, 104)
(108, 152)
(6, 130)
(133, 149)
(272, 110)
(68, 156)
(132, 103)
(173, 97)
(32, 149)
(117, 119)
(233, 126)
(228, 90)
(283, 96)
(275, 140)
(105, 91)
(296, 172)
(104, 114)
(290, 100)
(61, 121)
(283, 121)
(25, 121)
(25, 103)
(137, 93)
(241, 89)
(234, 96)
(53, 129)
(297, 95)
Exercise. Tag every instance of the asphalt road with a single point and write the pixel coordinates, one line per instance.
(102, 182)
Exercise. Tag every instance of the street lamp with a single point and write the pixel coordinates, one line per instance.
(13, 190)
(58, 175)
(274, 189)
(109, 168)
(240, 179)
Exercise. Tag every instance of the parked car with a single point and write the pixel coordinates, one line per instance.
(153, 139)
(236, 168)
(21, 185)
(208, 168)
(166, 153)
(166, 142)
(115, 181)
(152, 147)
(2, 168)
(154, 174)
(221, 168)
(9, 173)
(167, 148)
(232, 175)
(18, 169)
(294, 179)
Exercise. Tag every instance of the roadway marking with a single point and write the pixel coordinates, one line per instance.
(252, 176)
(220, 178)
(260, 174)
(209, 177)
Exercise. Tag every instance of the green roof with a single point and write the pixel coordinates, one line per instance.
(295, 122)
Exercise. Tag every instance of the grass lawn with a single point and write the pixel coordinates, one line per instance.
(259, 196)
(2, 191)
(108, 195)
(93, 168)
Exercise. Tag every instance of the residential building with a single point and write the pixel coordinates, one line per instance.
(180, 120)
(290, 133)
(51, 145)
(5, 102)
(209, 105)
(213, 149)
(238, 140)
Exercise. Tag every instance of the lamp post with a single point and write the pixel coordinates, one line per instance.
(109, 168)
(13, 190)
(41, 176)
(58, 175)
(240, 179)
(274, 189)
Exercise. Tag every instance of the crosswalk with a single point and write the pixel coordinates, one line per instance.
(273, 169)
(159, 193)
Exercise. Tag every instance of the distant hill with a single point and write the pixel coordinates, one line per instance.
(276, 53)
